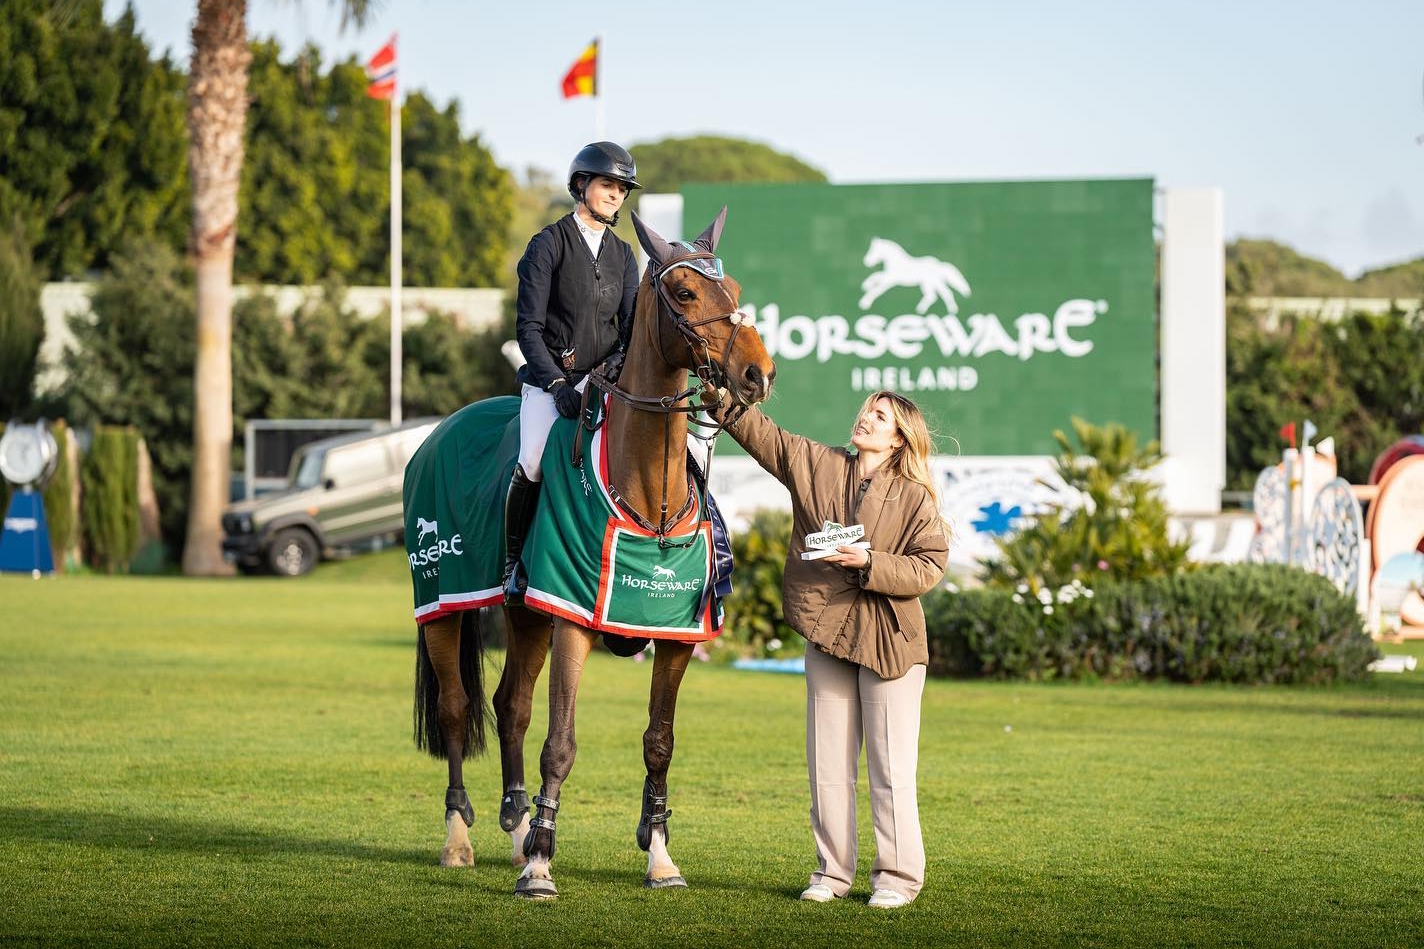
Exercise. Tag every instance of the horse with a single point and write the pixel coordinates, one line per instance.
(934, 277)
(686, 319)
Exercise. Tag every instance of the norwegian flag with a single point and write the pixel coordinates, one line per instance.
(381, 71)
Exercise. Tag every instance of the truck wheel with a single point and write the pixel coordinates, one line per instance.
(292, 553)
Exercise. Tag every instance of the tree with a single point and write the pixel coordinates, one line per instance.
(458, 202)
(1263, 268)
(1118, 532)
(131, 363)
(309, 208)
(91, 134)
(540, 199)
(21, 321)
(217, 113)
(1398, 280)
(666, 165)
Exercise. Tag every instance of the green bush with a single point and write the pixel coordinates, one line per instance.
(1119, 531)
(21, 320)
(1359, 379)
(110, 510)
(1244, 623)
(754, 622)
(132, 365)
(59, 513)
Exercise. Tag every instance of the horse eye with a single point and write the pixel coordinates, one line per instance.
(685, 295)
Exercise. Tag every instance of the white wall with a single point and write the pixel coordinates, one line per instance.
(472, 309)
(1193, 350)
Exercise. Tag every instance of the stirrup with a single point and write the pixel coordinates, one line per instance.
(458, 801)
(515, 581)
(655, 811)
(512, 809)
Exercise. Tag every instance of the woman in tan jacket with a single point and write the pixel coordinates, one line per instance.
(860, 613)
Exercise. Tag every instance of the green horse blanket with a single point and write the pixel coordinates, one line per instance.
(585, 558)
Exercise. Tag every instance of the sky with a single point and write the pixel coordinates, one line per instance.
(1309, 115)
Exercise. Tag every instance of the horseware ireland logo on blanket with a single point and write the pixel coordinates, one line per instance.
(588, 562)
(832, 535)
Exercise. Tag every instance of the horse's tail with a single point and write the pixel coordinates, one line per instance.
(429, 735)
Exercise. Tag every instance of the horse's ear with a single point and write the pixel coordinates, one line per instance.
(708, 239)
(657, 249)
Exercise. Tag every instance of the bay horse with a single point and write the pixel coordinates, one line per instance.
(686, 320)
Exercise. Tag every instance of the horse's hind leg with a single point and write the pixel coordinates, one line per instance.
(669, 664)
(526, 645)
(442, 644)
(570, 648)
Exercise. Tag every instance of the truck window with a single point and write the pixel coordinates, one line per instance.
(306, 468)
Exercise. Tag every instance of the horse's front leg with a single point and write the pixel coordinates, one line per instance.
(569, 651)
(442, 644)
(669, 665)
(527, 645)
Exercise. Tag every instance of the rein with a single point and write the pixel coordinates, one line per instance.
(710, 372)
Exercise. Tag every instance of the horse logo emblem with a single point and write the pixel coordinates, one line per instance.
(426, 527)
(936, 278)
(663, 573)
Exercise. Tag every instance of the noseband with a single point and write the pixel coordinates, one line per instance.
(711, 373)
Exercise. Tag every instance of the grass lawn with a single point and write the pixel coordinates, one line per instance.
(228, 763)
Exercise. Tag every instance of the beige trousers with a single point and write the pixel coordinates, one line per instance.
(846, 703)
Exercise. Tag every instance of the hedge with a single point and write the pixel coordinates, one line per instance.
(1242, 623)
(110, 510)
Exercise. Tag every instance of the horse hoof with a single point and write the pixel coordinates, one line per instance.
(535, 888)
(457, 857)
(664, 883)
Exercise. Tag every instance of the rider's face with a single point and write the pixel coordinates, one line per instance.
(605, 195)
(875, 430)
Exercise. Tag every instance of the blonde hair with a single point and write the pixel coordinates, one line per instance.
(911, 460)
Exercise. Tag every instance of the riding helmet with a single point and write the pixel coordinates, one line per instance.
(602, 158)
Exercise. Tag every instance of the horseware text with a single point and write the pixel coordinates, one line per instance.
(660, 588)
(432, 554)
(872, 336)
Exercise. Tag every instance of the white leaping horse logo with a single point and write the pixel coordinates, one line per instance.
(663, 573)
(934, 277)
(425, 527)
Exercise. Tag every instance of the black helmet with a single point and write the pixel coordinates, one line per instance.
(603, 158)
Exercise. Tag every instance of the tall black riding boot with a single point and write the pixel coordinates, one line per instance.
(519, 507)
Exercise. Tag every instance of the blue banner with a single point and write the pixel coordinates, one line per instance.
(24, 547)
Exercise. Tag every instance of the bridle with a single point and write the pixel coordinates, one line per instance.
(711, 374)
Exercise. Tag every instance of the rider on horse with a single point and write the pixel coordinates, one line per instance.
(577, 285)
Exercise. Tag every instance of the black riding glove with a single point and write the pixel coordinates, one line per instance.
(567, 399)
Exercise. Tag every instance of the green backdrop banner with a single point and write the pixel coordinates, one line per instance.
(1002, 308)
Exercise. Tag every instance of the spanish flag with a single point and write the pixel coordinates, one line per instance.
(582, 77)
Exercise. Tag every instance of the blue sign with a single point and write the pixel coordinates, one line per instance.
(24, 547)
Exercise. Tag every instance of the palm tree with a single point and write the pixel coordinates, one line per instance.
(217, 115)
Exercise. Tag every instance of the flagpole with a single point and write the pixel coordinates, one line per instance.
(397, 314)
(598, 123)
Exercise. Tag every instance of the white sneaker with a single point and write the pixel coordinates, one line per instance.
(888, 899)
(817, 893)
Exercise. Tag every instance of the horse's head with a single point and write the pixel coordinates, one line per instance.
(698, 325)
(876, 252)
